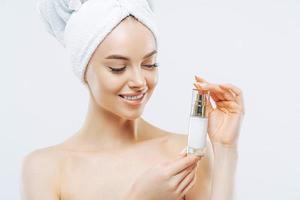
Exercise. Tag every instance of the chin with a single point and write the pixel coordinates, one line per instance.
(132, 114)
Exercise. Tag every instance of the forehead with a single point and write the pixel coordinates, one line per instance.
(128, 37)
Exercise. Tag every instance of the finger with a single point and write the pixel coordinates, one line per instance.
(180, 176)
(222, 97)
(192, 166)
(180, 164)
(228, 90)
(235, 90)
(214, 90)
(186, 182)
(200, 79)
(214, 97)
(238, 94)
(228, 95)
(231, 106)
(189, 186)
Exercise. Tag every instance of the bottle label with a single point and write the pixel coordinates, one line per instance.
(197, 132)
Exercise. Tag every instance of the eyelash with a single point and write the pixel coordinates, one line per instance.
(117, 70)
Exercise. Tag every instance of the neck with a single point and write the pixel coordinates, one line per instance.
(105, 130)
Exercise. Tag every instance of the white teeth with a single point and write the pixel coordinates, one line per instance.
(133, 97)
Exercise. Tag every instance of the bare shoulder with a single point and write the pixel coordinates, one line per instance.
(176, 142)
(40, 173)
(50, 155)
(173, 142)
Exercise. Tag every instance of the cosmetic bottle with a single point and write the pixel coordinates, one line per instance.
(197, 131)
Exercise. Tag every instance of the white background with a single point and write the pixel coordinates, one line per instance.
(252, 44)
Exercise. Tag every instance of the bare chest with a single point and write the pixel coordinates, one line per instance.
(105, 176)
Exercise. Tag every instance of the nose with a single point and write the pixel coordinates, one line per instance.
(137, 79)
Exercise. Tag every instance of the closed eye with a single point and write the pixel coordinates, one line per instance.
(152, 66)
(118, 70)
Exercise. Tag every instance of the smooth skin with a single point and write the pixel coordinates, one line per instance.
(117, 154)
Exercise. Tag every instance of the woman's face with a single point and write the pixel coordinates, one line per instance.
(123, 64)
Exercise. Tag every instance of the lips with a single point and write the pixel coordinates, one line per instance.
(143, 94)
(133, 94)
(134, 102)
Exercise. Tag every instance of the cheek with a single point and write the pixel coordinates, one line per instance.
(152, 79)
(103, 84)
(109, 83)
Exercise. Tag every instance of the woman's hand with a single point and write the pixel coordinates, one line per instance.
(223, 121)
(169, 180)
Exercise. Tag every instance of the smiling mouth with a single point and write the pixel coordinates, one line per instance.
(133, 100)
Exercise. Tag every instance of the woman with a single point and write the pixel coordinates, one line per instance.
(117, 154)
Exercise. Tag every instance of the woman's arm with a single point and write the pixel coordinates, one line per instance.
(39, 176)
(202, 187)
(224, 123)
(215, 175)
(223, 176)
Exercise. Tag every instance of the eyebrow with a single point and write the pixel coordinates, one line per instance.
(125, 58)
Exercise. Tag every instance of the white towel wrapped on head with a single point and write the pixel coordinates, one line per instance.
(81, 25)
